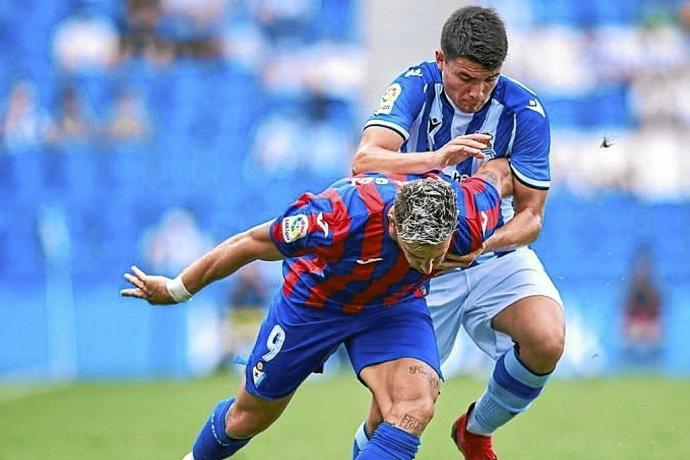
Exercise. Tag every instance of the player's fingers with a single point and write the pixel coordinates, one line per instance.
(477, 154)
(484, 138)
(140, 274)
(134, 280)
(465, 150)
(469, 142)
(132, 292)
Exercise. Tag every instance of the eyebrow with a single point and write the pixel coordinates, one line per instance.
(464, 74)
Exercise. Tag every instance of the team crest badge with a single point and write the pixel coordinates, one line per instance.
(258, 374)
(388, 100)
(295, 227)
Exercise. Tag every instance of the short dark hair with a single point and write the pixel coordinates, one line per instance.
(477, 34)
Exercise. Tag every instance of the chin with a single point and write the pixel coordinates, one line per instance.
(470, 108)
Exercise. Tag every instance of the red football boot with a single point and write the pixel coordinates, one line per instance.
(472, 446)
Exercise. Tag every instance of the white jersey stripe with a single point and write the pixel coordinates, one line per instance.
(415, 129)
(491, 121)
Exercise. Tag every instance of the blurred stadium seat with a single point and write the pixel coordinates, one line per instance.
(201, 154)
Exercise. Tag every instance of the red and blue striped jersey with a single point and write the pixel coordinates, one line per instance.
(339, 254)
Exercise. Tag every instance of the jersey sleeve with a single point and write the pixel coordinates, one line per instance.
(529, 156)
(308, 226)
(401, 103)
(479, 215)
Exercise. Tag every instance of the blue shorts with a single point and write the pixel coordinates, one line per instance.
(295, 341)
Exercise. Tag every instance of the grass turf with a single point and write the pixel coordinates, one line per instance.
(623, 418)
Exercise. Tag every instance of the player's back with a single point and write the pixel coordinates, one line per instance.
(339, 253)
(339, 250)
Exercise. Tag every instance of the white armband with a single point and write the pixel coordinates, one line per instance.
(177, 290)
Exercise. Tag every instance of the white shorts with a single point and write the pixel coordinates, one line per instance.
(472, 297)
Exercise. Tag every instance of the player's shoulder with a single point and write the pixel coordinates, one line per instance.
(366, 192)
(518, 98)
(426, 72)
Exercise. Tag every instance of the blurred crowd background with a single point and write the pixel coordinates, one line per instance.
(146, 131)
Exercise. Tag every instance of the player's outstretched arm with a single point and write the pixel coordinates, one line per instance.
(219, 262)
(379, 151)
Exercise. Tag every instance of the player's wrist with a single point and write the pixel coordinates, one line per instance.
(435, 161)
(489, 246)
(177, 290)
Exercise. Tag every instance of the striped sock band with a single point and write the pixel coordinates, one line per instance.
(511, 390)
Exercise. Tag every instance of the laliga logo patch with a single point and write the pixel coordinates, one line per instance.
(388, 99)
(258, 373)
(295, 227)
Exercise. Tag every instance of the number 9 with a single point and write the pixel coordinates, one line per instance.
(274, 343)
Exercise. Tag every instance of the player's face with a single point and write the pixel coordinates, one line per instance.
(426, 258)
(467, 84)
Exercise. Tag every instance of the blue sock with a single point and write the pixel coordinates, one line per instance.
(511, 390)
(361, 440)
(390, 443)
(213, 443)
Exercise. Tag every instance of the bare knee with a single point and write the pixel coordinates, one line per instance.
(411, 412)
(542, 353)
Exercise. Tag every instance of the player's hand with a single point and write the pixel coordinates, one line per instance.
(455, 261)
(460, 148)
(151, 288)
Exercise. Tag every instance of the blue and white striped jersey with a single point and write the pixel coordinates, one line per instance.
(416, 107)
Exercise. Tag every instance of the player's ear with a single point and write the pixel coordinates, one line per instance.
(440, 59)
(392, 225)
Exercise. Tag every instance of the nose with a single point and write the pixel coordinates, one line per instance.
(477, 91)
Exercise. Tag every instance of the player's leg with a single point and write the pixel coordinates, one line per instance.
(366, 430)
(406, 391)
(519, 303)
(537, 327)
(291, 344)
(447, 294)
(234, 422)
(394, 353)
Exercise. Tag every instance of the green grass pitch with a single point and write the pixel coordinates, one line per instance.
(623, 418)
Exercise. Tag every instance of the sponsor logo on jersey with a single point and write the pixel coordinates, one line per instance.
(388, 100)
(295, 227)
(413, 72)
(535, 106)
(323, 224)
(258, 374)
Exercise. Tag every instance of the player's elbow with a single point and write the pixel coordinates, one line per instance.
(359, 162)
(537, 223)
